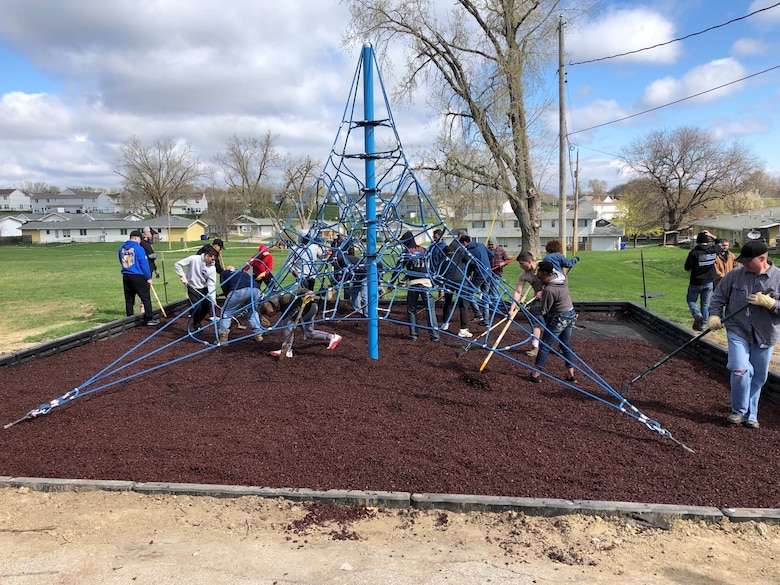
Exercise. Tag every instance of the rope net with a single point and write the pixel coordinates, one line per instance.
(327, 235)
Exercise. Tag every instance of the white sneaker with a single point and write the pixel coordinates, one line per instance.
(334, 341)
(465, 333)
(445, 326)
(278, 353)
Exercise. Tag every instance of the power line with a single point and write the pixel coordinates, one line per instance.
(678, 39)
(675, 102)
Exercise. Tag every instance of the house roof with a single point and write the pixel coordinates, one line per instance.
(759, 218)
(83, 221)
(607, 230)
(254, 220)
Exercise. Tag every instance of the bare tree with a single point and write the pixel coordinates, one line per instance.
(476, 61)
(454, 193)
(690, 168)
(224, 207)
(157, 176)
(36, 187)
(300, 176)
(245, 163)
(766, 186)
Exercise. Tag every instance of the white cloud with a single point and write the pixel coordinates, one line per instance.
(699, 79)
(744, 47)
(768, 17)
(624, 30)
(32, 116)
(594, 113)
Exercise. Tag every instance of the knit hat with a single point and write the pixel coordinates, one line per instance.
(702, 238)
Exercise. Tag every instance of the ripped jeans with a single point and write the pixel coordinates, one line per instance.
(753, 361)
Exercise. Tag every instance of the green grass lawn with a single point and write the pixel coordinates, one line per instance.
(55, 290)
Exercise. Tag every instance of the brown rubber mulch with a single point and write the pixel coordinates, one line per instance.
(418, 419)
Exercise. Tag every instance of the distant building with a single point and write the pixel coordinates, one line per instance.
(58, 228)
(11, 226)
(253, 228)
(190, 204)
(738, 228)
(75, 202)
(506, 229)
(14, 200)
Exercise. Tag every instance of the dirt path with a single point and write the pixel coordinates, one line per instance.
(102, 537)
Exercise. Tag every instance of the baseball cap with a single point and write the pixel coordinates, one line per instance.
(751, 250)
(136, 234)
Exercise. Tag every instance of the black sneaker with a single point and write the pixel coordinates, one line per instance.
(534, 379)
(152, 323)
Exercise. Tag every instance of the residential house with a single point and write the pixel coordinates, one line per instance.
(606, 237)
(65, 228)
(738, 228)
(14, 200)
(505, 228)
(11, 226)
(190, 204)
(254, 229)
(75, 202)
(605, 208)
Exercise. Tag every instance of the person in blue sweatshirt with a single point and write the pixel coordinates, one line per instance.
(555, 256)
(479, 273)
(136, 276)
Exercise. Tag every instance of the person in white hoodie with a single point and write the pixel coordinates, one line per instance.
(199, 274)
(559, 318)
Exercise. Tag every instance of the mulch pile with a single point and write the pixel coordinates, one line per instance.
(418, 419)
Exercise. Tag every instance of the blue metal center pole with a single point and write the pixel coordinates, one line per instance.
(368, 117)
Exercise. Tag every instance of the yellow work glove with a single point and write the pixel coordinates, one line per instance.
(762, 300)
(714, 323)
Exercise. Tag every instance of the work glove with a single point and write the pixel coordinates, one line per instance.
(714, 323)
(576, 259)
(762, 300)
(157, 274)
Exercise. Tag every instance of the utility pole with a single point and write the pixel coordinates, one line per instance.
(561, 139)
(576, 205)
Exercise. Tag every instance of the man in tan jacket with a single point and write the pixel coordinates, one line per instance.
(724, 261)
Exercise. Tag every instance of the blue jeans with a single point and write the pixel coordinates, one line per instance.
(358, 295)
(557, 326)
(696, 290)
(413, 295)
(753, 360)
(237, 301)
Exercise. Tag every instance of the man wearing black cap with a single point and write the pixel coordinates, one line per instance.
(751, 333)
(701, 264)
(217, 245)
(146, 244)
(136, 276)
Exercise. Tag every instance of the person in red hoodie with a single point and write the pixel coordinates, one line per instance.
(261, 265)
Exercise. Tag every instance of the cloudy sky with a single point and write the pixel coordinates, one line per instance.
(78, 78)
